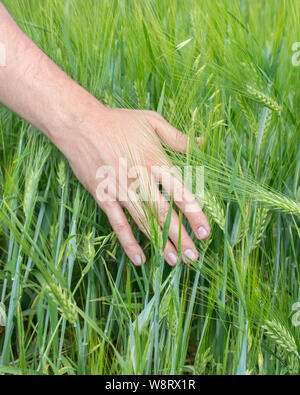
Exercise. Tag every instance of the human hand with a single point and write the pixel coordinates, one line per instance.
(107, 140)
(96, 139)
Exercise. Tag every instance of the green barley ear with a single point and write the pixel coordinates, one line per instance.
(248, 114)
(164, 307)
(172, 319)
(259, 227)
(86, 250)
(282, 337)
(278, 201)
(202, 359)
(263, 99)
(61, 173)
(293, 364)
(29, 181)
(53, 235)
(172, 326)
(286, 345)
(266, 128)
(241, 226)
(215, 209)
(33, 172)
(63, 302)
(90, 247)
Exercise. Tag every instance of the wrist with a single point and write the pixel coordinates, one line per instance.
(73, 117)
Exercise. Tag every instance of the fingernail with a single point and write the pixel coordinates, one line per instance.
(190, 254)
(137, 260)
(202, 233)
(172, 258)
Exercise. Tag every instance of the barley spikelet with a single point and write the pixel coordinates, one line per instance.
(262, 98)
(259, 227)
(61, 173)
(293, 364)
(172, 320)
(53, 235)
(286, 345)
(164, 307)
(202, 360)
(267, 125)
(243, 232)
(291, 360)
(86, 249)
(279, 202)
(28, 191)
(248, 114)
(63, 302)
(281, 336)
(243, 227)
(172, 326)
(215, 209)
(268, 120)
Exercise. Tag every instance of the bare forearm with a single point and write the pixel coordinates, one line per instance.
(35, 88)
(93, 137)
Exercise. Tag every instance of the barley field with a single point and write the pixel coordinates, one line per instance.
(71, 300)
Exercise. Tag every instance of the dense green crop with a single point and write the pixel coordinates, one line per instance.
(223, 70)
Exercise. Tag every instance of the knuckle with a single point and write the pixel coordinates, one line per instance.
(178, 192)
(131, 245)
(192, 201)
(186, 242)
(154, 114)
(163, 210)
(120, 227)
(107, 206)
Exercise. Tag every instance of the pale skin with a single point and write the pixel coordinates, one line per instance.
(91, 135)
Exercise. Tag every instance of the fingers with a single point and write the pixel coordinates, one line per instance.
(160, 208)
(171, 255)
(170, 252)
(185, 201)
(124, 233)
(171, 136)
(179, 236)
